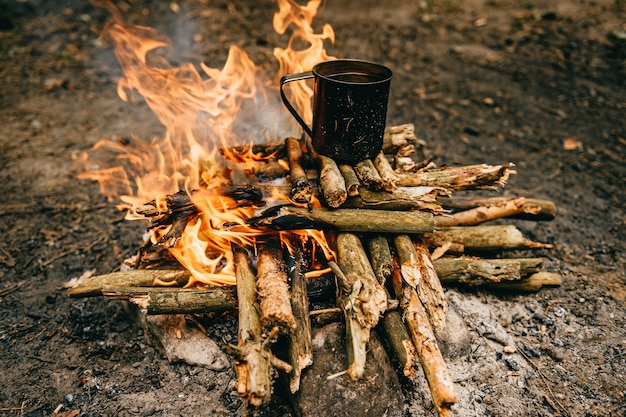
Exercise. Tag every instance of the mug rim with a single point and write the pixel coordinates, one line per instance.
(383, 71)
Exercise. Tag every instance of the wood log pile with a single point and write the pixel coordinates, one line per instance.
(400, 235)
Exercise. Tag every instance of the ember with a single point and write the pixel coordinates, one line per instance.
(390, 231)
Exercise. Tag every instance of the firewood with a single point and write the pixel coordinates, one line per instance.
(386, 172)
(380, 258)
(532, 209)
(435, 370)
(349, 220)
(533, 283)
(351, 179)
(159, 300)
(396, 137)
(331, 181)
(301, 188)
(473, 272)
(393, 326)
(418, 271)
(253, 357)
(402, 198)
(399, 340)
(361, 297)
(258, 151)
(272, 287)
(92, 286)
(482, 214)
(300, 343)
(483, 238)
(460, 178)
(368, 175)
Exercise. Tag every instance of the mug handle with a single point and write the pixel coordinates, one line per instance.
(287, 79)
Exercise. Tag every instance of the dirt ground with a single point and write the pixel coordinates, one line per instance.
(538, 83)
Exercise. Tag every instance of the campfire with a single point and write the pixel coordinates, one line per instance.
(250, 225)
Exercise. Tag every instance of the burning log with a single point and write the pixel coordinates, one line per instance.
(362, 299)
(532, 209)
(351, 179)
(386, 172)
(482, 238)
(159, 300)
(254, 359)
(418, 272)
(300, 343)
(495, 210)
(474, 272)
(272, 288)
(368, 175)
(461, 178)
(301, 188)
(397, 137)
(93, 286)
(260, 151)
(345, 220)
(393, 325)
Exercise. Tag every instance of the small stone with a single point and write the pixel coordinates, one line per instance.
(455, 341)
(509, 349)
(512, 364)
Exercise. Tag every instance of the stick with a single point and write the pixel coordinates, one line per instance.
(439, 381)
(380, 257)
(402, 198)
(362, 299)
(533, 209)
(495, 210)
(393, 327)
(349, 220)
(272, 288)
(397, 137)
(159, 300)
(351, 179)
(418, 271)
(92, 286)
(257, 151)
(301, 189)
(461, 178)
(331, 181)
(254, 359)
(483, 238)
(300, 343)
(368, 175)
(386, 172)
(531, 284)
(474, 272)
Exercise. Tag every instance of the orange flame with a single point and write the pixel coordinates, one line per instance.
(198, 110)
(293, 60)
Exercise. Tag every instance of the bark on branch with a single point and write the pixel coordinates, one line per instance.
(362, 299)
(349, 220)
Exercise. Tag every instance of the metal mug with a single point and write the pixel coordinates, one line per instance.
(349, 108)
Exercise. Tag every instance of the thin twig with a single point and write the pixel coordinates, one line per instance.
(543, 378)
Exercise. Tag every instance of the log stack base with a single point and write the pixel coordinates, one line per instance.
(399, 237)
